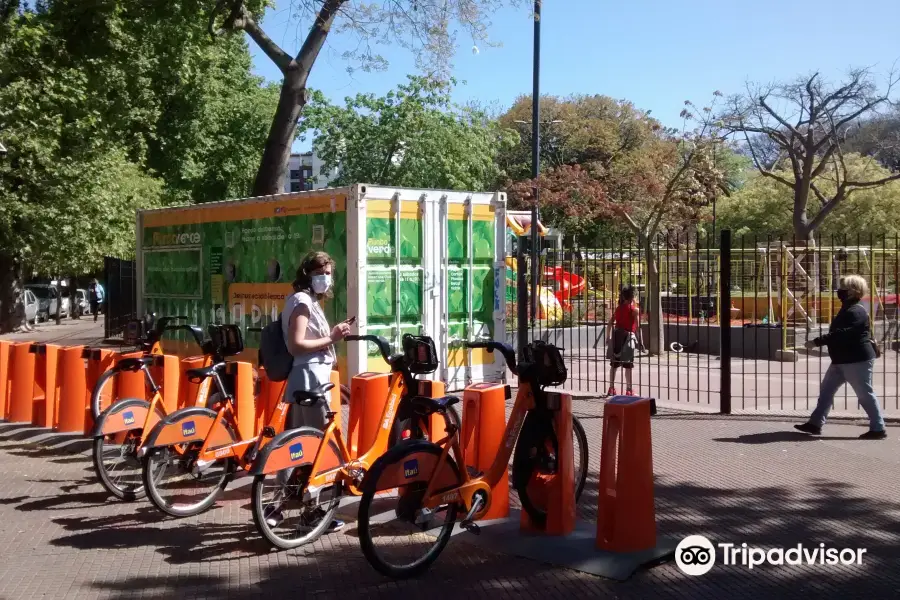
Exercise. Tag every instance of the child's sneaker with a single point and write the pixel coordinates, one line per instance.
(611, 391)
(629, 393)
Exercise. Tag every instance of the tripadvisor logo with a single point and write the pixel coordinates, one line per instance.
(175, 239)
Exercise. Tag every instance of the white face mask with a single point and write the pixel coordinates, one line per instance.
(321, 283)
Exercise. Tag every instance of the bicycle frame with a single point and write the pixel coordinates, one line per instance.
(437, 492)
(332, 457)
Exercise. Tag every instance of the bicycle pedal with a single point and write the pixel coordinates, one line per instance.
(471, 527)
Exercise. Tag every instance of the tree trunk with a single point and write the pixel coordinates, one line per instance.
(656, 342)
(12, 309)
(273, 166)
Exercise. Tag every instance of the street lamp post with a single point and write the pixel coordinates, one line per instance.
(535, 156)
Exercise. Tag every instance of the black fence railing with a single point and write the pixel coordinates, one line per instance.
(120, 303)
(773, 295)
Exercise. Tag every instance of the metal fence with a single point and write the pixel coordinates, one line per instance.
(120, 303)
(776, 294)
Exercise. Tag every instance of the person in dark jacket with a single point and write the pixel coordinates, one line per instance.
(852, 360)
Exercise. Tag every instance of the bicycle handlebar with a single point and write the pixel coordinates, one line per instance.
(192, 329)
(163, 322)
(509, 355)
(383, 345)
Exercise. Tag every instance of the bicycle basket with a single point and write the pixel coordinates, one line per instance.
(421, 354)
(227, 339)
(547, 363)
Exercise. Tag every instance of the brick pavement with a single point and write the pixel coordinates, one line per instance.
(733, 479)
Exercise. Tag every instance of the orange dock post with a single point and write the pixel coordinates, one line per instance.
(45, 384)
(243, 398)
(188, 389)
(4, 378)
(21, 406)
(559, 490)
(483, 424)
(270, 394)
(74, 393)
(170, 367)
(368, 395)
(626, 521)
(99, 361)
(130, 384)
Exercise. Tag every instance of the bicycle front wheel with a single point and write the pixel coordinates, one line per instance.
(104, 386)
(180, 487)
(398, 536)
(535, 462)
(117, 465)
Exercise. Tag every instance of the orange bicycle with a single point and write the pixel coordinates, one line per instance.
(301, 475)
(119, 430)
(417, 523)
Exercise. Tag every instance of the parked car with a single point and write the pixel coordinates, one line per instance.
(31, 307)
(82, 303)
(47, 298)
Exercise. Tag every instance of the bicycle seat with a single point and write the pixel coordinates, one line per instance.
(313, 396)
(198, 375)
(426, 406)
(135, 364)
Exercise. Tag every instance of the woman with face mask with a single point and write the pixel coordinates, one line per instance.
(310, 340)
(852, 360)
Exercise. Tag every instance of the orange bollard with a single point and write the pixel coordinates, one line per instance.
(483, 424)
(21, 406)
(170, 368)
(243, 399)
(626, 521)
(4, 378)
(44, 391)
(99, 361)
(559, 490)
(435, 428)
(74, 393)
(368, 395)
(188, 390)
(335, 402)
(270, 395)
(131, 384)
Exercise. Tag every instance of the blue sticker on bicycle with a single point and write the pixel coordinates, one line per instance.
(128, 417)
(188, 428)
(411, 468)
(296, 451)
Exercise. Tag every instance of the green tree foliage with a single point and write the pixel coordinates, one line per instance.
(412, 137)
(110, 106)
(763, 207)
(427, 27)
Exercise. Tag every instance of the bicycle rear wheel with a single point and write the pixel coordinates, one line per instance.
(398, 537)
(535, 462)
(104, 385)
(117, 464)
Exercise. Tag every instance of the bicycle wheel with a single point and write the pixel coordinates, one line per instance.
(286, 511)
(178, 486)
(104, 384)
(535, 462)
(117, 464)
(398, 537)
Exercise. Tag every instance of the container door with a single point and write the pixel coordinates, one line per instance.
(474, 305)
(394, 271)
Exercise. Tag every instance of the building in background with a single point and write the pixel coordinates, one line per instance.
(305, 173)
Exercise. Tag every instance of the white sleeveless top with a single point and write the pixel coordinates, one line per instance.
(317, 328)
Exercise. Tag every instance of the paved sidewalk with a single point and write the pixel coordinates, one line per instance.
(70, 332)
(732, 479)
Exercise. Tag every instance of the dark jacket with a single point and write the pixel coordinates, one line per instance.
(848, 338)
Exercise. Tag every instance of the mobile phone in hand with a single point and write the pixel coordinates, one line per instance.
(350, 321)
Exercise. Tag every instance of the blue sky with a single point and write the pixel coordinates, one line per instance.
(655, 53)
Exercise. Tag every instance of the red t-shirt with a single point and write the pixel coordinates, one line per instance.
(625, 318)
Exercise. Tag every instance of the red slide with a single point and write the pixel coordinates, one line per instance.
(567, 285)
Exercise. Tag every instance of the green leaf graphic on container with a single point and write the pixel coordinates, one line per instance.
(380, 296)
(379, 240)
(411, 295)
(456, 297)
(456, 234)
(410, 240)
(483, 240)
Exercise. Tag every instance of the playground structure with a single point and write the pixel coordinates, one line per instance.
(559, 287)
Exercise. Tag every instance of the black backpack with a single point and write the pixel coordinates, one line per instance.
(273, 353)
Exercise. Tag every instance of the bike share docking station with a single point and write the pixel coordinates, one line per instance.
(624, 538)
